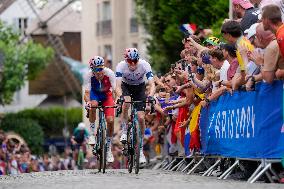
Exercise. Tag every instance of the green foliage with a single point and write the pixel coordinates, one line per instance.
(29, 129)
(21, 61)
(162, 19)
(36, 57)
(51, 120)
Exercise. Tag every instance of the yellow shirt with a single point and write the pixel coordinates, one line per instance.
(244, 42)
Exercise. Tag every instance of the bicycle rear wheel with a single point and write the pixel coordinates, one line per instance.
(80, 161)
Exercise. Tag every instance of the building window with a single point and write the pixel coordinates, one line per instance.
(133, 25)
(98, 12)
(22, 25)
(133, 18)
(133, 9)
(104, 19)
(106, 12)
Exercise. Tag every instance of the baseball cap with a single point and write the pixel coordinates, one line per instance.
(200, 70)
(251, 31)
(246, 4)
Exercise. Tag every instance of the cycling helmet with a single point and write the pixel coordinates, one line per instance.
(96, 62)
(81, 126)
(212, 41)
(131, 54)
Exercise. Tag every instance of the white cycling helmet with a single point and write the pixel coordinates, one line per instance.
(131, 53)
(96, 62)
(81, 126)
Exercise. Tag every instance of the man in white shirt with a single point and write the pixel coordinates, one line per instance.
(218, 61)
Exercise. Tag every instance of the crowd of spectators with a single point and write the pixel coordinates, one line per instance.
(251, 51)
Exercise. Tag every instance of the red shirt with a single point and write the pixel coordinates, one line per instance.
(280, 38)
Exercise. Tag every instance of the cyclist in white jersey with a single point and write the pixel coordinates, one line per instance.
(130, 83)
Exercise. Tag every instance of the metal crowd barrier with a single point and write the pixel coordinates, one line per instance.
(190, 164)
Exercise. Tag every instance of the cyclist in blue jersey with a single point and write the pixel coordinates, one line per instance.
(99, 86)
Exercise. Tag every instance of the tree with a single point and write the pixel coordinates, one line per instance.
(21, 61)
(162, 18)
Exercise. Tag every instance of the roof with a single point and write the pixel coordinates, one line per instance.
(67, 20)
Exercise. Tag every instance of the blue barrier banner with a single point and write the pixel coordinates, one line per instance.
(245, 124)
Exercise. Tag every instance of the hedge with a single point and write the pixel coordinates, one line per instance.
(51, 120)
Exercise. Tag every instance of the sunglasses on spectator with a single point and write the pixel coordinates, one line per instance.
(178, 68)
(162, 90)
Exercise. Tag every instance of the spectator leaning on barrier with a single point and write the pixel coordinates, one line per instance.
(229, 53)
(271, 18)
(231, 31)
(219, 62)
(246, 12)
(271, 59)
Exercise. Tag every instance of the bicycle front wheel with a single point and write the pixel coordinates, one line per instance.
(104, 150)
(99, 150)
(130, 154)
(136, 137)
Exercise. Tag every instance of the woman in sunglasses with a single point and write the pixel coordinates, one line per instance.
(130, 81)
(100, 82)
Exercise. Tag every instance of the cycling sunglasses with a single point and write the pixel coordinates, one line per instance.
(129, 61)
(97, 69)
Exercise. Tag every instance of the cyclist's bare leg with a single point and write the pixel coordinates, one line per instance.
(124, 119)
(110, 125)
(124, 113)
(92, 117)
(75, 155)
(141, 121)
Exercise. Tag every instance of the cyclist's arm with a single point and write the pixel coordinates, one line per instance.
(150, 78)
(112, 78)
(87, 86)
(152, 87)
(118, 75)
(118, 90)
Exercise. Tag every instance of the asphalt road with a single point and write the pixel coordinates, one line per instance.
(146, 179)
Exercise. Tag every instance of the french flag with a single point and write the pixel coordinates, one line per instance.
(188, 29)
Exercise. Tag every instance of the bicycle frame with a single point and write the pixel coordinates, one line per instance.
(134, 138)
(134, 121)
(101, 145)
(102, 126)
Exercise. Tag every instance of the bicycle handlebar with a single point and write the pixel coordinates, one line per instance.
(98, 107)
(121, 101)
(139, 101)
